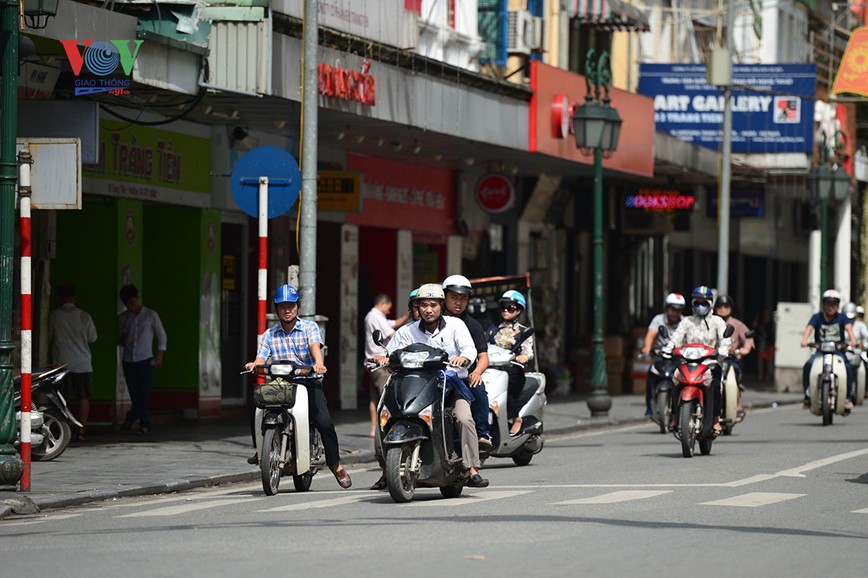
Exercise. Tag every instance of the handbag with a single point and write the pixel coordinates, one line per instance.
(278, 392)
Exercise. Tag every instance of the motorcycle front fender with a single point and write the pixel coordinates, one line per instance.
(663, 385)
(56, 398)
(403, 432)
(689, 393)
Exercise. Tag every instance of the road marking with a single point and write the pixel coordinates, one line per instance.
(616, 497)
(862, 511)
(754, 500)
(468, 499)
(320, 503)
(184, 508)
(799, 471)
(42, 519)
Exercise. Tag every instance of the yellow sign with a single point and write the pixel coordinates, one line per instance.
(229, 272)
(339, 191)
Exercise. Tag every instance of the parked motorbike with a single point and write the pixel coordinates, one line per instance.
(693, 380)
(417, 429)
(828, 382)
(286, 441)
(522, 447)
(858, 358)
(663, 372)
(50, 419)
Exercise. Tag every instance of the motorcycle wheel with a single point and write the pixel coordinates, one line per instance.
(302, 483)
(705, 446)
(452, 491)
(826, 403)
(664, 410)
(685, 426)
(57, 434)
(727, 430)
(401, 483)
(269, 461)
(522, 459)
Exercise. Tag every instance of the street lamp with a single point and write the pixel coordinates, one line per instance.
(827, 181)
(37, 12)
(597, 127)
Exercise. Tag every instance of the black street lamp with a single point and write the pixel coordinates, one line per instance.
(597, 127)
(827, 181)
(37, 12)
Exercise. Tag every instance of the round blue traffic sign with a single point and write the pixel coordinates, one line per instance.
(284, 181)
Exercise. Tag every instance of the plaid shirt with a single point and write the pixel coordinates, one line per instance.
(293, 346)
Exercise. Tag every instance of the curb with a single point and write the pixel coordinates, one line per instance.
(9, 507)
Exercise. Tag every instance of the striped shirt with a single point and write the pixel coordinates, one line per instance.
(293, 346)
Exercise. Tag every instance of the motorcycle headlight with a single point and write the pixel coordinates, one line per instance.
(412, 359)
(828, 347)
(693, 353)
(281, 369)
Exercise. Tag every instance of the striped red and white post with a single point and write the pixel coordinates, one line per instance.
(24, 162)
(262, 282)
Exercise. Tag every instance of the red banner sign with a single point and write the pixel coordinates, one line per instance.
(346, 84)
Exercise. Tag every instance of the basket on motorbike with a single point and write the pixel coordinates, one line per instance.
(279, 390)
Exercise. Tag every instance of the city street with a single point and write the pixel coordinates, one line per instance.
(783, 494)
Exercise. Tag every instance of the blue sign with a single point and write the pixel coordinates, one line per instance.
(772, 105)
(284, 181)
(743, 202)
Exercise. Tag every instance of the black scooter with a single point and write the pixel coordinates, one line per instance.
(662, 383)
(51, 437)
(417, 428)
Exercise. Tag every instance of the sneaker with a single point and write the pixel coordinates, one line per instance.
(253, 460)
(485, 444)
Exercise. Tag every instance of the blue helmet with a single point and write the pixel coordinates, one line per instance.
(700, 299)
(286, 294)
(514, 297)
(412, 297)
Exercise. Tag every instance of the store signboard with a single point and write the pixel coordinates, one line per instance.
(339, 191)
(743, 202)
(772, 105)
(654, 200)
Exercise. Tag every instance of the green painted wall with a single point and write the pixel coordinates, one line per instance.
(172, 289)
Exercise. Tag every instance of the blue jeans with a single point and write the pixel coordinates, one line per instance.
(806, 373)
(479, 410)
(140, 381)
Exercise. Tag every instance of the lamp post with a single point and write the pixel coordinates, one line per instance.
(597, 127)
(11, 466)
(828, 181)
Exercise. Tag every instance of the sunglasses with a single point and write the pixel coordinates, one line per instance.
(509, 307)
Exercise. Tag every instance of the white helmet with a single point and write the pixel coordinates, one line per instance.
(675, 300)
(860, 310)
(458, 284)
(832, 295)
(850, 310)
(430, 291)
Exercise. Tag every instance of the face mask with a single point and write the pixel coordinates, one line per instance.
(701, 310)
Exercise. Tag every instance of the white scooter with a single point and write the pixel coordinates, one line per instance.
(858, 357)
(522, 447)
(827, 383)
(286, 441)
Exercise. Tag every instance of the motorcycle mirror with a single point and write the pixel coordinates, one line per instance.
(378, 337)
(728, 331)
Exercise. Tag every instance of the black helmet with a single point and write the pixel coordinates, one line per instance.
(723, 301)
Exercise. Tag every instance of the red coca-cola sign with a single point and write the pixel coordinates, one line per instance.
(495, 193)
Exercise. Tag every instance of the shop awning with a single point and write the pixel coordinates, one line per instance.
(609, 14)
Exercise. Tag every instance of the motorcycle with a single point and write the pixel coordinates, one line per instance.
(693, 378)
(286, 441)
(858, 358)
(522, 447)
(50, 419)
(828, 375)
(417, 433)
(663, 369)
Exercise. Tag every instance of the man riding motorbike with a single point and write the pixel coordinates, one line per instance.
(741, 345)
(829, 325)
(706, 328)
(856, 315)
(451, 335)
(654, 341)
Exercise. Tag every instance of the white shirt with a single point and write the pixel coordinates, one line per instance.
(376, 319)
(451, 335)
(707, 330)
(140, 330)
(70, 331)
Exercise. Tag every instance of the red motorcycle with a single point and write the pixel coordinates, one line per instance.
(695, 399)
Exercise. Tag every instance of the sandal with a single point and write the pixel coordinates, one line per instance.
(739, 415)
(342, 477)
(380, 484)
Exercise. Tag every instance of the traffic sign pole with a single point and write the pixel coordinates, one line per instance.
(262, 283)
(26, 315)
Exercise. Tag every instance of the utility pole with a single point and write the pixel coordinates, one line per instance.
(11, 466)
(723, 195)
(309, 112)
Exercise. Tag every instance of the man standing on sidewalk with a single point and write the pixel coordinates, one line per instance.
(376, 319)
(70, 332)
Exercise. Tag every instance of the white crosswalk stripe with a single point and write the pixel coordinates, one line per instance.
(753, 499)
(616, 497)
(466, 499)
(41, 520)
(319, 504)
(184, 508)
(862, 511)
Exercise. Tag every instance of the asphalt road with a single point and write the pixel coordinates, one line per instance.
(782, 495)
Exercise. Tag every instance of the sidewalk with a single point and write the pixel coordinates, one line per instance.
(181, 456)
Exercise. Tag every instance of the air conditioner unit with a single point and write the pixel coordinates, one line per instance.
(535, 39)
(520, 31)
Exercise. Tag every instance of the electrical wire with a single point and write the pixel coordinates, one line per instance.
(168, 120)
